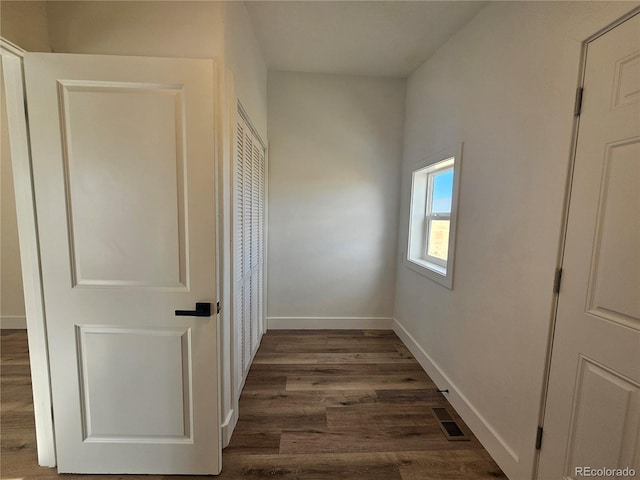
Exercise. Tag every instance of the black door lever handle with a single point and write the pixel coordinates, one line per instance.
(203, 309)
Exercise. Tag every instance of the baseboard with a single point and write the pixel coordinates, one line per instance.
(329, 323)
(13, 322)
(228, 426)
(497, 447)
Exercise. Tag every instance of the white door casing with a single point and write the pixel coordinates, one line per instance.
(13, 83)
(123, 159)
(592, 416)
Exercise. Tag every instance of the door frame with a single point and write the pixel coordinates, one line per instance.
(19, 144)
(20, 147)
(588, 32)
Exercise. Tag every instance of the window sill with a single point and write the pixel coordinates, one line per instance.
(430, 265)
(430, 270)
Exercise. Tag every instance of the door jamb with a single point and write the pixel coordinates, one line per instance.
(587, 35)
(19, 144)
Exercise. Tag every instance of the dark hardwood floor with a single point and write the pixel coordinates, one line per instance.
(319, 405)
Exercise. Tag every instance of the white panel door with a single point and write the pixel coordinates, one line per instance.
(592, 418)
(123, 165)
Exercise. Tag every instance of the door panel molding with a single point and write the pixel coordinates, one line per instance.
(626, 89)
(86, 192)
(610, 416)
(169, 390)
(617, 305)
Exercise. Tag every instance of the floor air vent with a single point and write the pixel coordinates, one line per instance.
(448, 425)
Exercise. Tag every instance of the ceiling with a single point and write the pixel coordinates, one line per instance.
(377, 38)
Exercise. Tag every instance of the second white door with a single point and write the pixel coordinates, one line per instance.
(592, 420)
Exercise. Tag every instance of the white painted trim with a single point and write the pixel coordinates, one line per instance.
(226, 256)
(29, 255)
(8, 322)
(12, 48)
(265, 288)
(411, 258)
(497, 446)
(329, 323)
(228, 426)
(247, 120)
(218, 123)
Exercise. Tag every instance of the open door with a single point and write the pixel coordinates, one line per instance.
(592, 419)
(123, 159)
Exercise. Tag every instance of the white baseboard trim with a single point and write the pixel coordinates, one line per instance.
(228, 426)
(497, 447)
(329, 323)
(13, 322)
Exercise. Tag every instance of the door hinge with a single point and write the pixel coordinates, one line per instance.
(217, 307)
(557, 280)
(539, 438)
(577, 110)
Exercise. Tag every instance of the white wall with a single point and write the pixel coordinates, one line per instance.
(25, 24)
(335, 153)
(167, 29)
(244, 59)
(504, 85)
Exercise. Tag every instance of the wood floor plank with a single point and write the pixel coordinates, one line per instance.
(357, 382)
(311, 358)
(356, 347)
(302, 403)
(253, 444)
(413, 397)
(458, 465)
(265, 370)
(377, 415)
(370, 466)
(13, 344)
(365, 466)
(380, 439)
(256, 383)
(14, 358)
(268, 422)
(16, 398)
(318, 333)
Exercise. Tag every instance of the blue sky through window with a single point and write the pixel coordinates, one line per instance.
(442, 192)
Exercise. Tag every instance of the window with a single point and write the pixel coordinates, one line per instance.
(432, 219)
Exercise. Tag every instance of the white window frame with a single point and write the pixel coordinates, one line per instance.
(421, 176)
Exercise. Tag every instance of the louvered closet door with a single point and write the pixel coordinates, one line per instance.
(238, 251)
(248, 273)
(255, 250)
(261, 243)
(248, 223)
